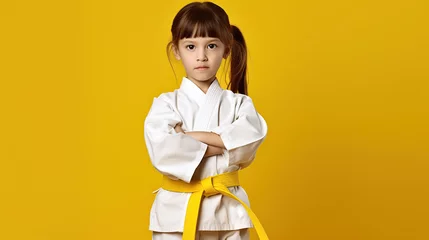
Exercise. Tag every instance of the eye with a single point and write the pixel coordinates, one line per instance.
(212, 46)
(190, 47)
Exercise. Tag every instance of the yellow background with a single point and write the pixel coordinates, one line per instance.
(343, 86)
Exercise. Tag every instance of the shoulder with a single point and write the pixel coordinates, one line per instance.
(162, 108)
(166, 97)
(237, 98)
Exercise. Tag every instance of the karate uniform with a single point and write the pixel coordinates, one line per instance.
(241, 234)
(179, 156)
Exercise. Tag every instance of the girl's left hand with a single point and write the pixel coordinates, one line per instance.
(178, 128)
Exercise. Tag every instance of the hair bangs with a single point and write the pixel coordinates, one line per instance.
(201, 24)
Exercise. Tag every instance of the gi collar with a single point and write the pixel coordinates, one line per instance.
(195, 93)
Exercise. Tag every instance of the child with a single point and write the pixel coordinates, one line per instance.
(200, 135)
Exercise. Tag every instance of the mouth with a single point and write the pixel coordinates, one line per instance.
(201, 68)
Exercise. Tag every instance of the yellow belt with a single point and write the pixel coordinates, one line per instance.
(209, 186)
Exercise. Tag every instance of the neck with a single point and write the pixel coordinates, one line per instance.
(203, 85)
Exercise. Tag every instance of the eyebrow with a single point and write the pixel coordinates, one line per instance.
(210, 40)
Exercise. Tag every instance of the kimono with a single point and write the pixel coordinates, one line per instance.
(179, 156)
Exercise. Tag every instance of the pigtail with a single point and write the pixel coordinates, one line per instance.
(238, 81)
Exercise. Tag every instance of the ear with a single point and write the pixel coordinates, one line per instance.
(226, 53)
(176, 53)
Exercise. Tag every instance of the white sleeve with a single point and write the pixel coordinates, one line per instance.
(243, 137)
(173, 154)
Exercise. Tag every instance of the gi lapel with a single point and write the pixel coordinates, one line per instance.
(210, 106)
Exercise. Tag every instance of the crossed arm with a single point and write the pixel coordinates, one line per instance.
(214, 141)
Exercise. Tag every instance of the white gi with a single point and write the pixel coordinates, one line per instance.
(179, 156)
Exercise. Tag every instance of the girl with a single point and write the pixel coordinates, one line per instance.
(200, 135)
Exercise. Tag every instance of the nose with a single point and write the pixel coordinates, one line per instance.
(201, 55)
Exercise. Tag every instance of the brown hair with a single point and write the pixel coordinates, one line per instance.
(206, 19)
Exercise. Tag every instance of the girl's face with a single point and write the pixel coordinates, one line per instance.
(201, 58)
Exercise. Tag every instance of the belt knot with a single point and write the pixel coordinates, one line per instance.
(208, 187)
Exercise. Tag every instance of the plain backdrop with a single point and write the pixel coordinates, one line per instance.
(343, 86)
